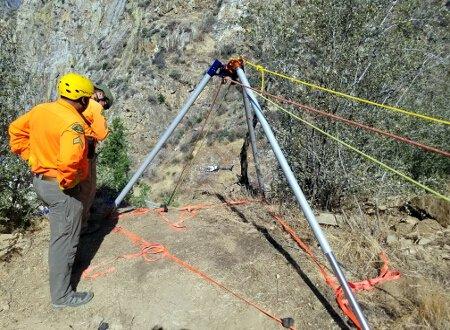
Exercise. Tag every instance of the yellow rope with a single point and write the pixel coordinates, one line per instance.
(361, 153)
(350, 97)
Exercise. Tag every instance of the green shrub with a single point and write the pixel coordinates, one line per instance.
(175, 75)
(114, 163)
(140, 195)
(390, 55)
(160, 59)
(161, 99)
(17, 199)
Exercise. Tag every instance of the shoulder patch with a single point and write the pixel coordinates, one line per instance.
(77, 128)
(77, 140)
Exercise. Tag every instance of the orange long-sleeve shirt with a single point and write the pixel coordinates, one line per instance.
(51, 138)
(96, 127)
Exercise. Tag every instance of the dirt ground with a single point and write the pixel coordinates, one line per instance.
(139, 295)
(240, 247)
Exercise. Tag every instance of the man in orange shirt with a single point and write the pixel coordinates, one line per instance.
(96, 129)
(50, 137)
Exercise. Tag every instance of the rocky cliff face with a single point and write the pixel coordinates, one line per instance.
(151, 53)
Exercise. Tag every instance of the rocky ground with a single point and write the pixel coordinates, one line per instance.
(242, 248)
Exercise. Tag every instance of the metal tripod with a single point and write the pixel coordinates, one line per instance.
(250, 102)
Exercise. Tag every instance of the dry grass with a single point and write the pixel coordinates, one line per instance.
(434, 310)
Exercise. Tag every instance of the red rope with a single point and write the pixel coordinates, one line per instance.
(353, 123)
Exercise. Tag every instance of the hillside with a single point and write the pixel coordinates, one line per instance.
(232, 264)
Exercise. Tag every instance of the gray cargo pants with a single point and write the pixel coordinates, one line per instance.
(65, 211)
(87, 191)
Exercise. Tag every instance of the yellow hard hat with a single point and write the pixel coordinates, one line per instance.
(73, 86)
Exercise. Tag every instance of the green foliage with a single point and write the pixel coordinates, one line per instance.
(17, 199)
(389, 52)
(175, 74)
(161, 99)
(140, 194)
(114, 163)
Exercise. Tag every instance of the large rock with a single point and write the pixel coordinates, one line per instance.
(327, 219)
(427, 228)
(431, 207)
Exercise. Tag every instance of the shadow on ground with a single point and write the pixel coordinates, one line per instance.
(105, 216)
(90, 244)
(265, 233)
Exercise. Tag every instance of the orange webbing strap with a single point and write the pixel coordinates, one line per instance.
(150, 252)
(146, 249)
(384, 275)
(190, 211)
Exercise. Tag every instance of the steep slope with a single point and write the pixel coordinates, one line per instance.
(151, 53)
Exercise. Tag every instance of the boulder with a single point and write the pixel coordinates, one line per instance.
(427, 228)
(425, 232)
(430, 207)
(410, 220)
(404, 228)
(405, 225)
(424, 241)
(327, 219)
(405, 243)
(391, 239)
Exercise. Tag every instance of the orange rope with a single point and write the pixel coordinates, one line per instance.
(190, 211)
(185, 212)
(220, 285)
(151, 252)
(146, 248)
(90, 273)
(384, 275)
